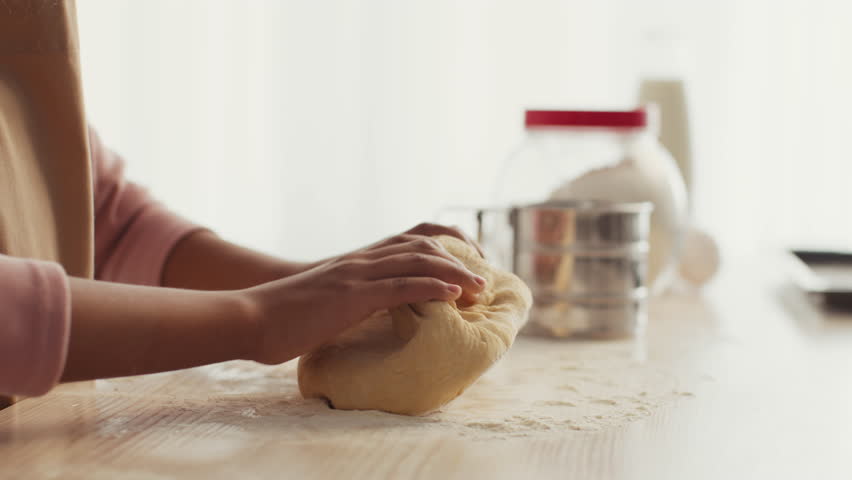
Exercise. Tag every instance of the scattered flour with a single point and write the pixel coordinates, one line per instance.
(541, 387)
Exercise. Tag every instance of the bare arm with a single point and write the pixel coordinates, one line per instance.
(119, 330)
(204, 261)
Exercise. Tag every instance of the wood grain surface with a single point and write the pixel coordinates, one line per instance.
(743, 381)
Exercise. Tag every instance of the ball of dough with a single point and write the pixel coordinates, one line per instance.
(415, 358)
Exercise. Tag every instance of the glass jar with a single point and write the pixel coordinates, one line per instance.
(609, 156)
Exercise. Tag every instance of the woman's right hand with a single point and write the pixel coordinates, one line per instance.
(296, 314)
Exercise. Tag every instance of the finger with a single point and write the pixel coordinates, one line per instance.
(428, 246)
(431, 229)
(393, 292)
(425, 245)
(414, 264)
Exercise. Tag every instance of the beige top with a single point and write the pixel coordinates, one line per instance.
(45, 177)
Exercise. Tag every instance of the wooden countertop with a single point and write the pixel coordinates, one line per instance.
(743, 381)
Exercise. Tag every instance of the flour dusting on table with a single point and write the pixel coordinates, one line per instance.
(541, 387)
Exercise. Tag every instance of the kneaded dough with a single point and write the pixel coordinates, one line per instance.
(415, 358)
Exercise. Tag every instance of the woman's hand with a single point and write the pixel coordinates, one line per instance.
(298, 313)
(432, 229)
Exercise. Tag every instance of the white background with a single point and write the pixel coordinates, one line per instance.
(307, 128)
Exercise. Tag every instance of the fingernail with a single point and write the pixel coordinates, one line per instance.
(479, 280)
(454, 289)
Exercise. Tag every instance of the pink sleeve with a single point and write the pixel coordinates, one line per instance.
(133, 233)
(34, 325)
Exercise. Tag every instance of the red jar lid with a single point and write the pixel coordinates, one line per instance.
(586, 118)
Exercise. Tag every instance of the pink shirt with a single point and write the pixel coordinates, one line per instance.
(133, 237)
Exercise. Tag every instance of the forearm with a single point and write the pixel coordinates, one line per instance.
(203, 261)
(119, 330)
